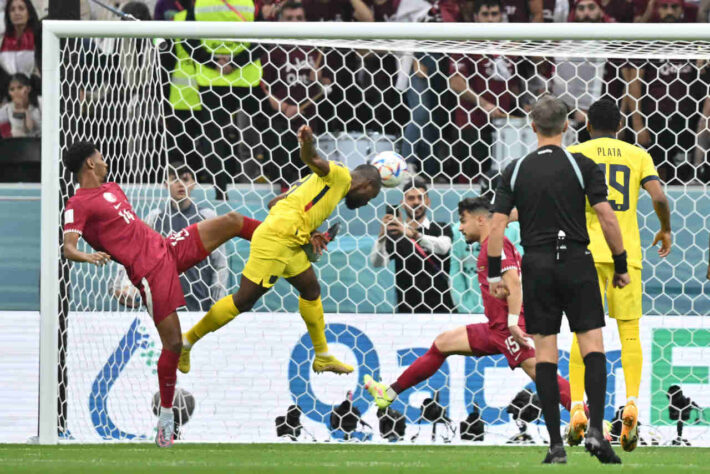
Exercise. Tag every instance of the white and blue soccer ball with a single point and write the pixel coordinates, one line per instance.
(392, 168)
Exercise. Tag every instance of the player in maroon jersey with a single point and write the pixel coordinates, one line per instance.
(101, 214)
(504, 333)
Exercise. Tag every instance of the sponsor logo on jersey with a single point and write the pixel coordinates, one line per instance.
(110, 197)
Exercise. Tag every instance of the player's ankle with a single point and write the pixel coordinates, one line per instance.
(391, 394)
(323, 354)
(577, 406)
(186, 344)
(631, 400)
(166, 414)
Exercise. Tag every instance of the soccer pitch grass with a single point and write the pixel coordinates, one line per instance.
(330, 458)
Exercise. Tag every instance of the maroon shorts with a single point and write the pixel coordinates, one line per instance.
(486, 341)
(160, 288)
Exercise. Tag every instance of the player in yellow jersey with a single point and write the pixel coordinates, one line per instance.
(276, 250)
(627, 169)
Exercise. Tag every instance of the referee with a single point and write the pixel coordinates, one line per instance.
(550, 188)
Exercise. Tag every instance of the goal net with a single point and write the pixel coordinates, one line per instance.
(191, 128)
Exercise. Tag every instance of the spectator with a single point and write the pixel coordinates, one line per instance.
(523, 11)
(202, 284)
(337, 10)
(17, 52)
(293, 84)
(426, 76)
(621, 11)
(228, 74)
(21, 117)
(704, 11)
(486, 86)
(579, 82)
(675, 89)
(421, 251)
(165, 10)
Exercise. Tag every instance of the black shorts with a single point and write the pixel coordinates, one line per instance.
(551, 288)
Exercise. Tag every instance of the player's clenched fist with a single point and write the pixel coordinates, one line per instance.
(305, 134)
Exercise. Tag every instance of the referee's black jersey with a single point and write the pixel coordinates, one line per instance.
(549, 187)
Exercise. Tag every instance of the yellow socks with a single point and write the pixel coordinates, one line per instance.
(222, 312)
(312, 314)
(631, 355)
(576, 373)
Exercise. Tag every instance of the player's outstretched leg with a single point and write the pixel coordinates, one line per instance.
(445, 344)
(169, 331)
(310, 307)
(222, 312)
(632, 363)
(217, 230)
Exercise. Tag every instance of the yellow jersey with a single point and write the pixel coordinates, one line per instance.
(308, 203)
(627, 168)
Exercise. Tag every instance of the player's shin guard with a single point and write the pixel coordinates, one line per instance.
(549, 392)
(576, 372)
(631, 356)
(167, 376)
(312, 314)
(222, 312)
(595, 383)
(422, 368)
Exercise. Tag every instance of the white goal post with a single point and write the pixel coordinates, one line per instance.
(685, 41)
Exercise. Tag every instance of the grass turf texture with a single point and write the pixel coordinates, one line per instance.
(329, 458)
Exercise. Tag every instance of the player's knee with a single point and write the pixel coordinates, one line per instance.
(173, 343)
(234, 219)
(311, 293)
(444, 341)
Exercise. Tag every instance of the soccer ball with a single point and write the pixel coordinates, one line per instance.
(392, 168)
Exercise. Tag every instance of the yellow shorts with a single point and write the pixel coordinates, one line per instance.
(622, 303)
(272, 257)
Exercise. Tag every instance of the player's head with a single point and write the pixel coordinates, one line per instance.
(604, 118)
(416, 198)
(181, 181)
(670, 11)
(365, 186)
(474, 215)
(487, 11)
(84, 158)
(587, 11)
(549, 116)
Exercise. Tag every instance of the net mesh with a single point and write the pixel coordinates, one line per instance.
(457, 111)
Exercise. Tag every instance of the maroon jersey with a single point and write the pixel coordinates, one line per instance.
(621, 11)
(496, 310)
(289, 72)
(492, 77)
(669, 87)
(106, 221)
(328, 10)
(384, 10)
(517, 11)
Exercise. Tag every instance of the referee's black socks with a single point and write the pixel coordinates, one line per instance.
(595, 386)
(549, 392)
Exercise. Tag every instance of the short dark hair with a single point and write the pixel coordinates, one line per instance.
(178, 168)
(370, 173)
(416, 182)
(290, 5)
(77, 154)
(477, 204)
(549, 115)
(478, 4)
(138, 10)
(604, 115)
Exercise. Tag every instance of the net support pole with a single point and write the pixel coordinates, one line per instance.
(49, 282)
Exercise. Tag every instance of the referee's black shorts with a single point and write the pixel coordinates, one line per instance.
(551, 288)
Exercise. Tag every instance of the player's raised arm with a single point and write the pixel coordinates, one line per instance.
(663, 212)
(318, 165)
(71, 252)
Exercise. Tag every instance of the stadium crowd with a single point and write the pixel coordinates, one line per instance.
(444, 112)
